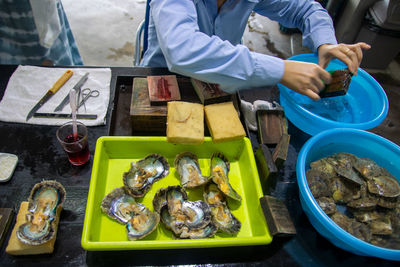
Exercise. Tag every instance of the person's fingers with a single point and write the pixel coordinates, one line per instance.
(358, 51)
(363, 45)
(323, 61)
(325, 76)
(311, 94)
(353, 59)
(313, 87)
(346, 59)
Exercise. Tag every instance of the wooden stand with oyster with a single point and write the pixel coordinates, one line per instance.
(37, 220)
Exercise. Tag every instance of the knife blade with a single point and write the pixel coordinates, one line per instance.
(64, 116)
(57, 85)
(76, 88)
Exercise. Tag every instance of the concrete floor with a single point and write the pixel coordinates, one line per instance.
(105, 32)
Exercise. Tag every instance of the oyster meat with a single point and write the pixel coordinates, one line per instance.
(188, 168)
(142, 223)
(186, 219)
(219, 174)
(143, 173)
(123, 208)
(44, 200)
(222, 217)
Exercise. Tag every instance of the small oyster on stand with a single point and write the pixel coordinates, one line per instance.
(143, 173)
(123, 208)
(44, 200)
(219, 174)
(188, 168)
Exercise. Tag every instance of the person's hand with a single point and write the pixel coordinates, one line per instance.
(350, 54)
(305, 78)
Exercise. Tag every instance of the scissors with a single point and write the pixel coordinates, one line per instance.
(86, 93)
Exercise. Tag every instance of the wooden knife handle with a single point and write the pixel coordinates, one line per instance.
(60, 82)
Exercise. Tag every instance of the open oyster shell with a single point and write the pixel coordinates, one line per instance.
(186, 219)
(219, 174)
(188, 168)
(222, 217)
(123, 208)
(44, 200)
(143, 173)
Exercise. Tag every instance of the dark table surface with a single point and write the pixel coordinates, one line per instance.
(42, 158)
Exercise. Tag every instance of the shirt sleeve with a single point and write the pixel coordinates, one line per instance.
(313, 21)
(190, 52)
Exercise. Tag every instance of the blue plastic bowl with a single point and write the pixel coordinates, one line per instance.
(361, 144)
(364, 106)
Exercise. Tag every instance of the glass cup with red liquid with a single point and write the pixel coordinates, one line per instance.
(76, 146)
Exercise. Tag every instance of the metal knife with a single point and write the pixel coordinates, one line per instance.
(64, 116)
(57, 85)
(76, 88)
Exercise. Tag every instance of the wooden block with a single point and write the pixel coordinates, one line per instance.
(277, 216)
(210, 93)
(339, 85)
(272, 125)
(145, 117)
(223, 122)
(280, 152)
(16, 247)
(6, 216)
(163, 89)
(185, 123)
(266, 167)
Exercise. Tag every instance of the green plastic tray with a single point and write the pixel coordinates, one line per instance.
(112, 158)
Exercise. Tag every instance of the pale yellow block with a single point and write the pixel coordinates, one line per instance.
(223, 122)
(16, 247)
(185, 123)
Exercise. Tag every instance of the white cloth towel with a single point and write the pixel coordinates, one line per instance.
(249, 111)
(28, 84)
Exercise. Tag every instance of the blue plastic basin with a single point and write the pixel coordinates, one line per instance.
(362, 144)
(364, 106)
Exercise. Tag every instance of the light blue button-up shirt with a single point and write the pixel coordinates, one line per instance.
(192, 38)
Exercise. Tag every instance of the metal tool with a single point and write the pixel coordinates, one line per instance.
(64, 116)
(57, 85)
(77, 88)
(86, 93)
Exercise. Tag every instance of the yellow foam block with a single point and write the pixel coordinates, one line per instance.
(16, 247)
(185, 123)
(223, 122)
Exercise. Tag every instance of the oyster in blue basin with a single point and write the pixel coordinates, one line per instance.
(44, 200)
(144, 173)
(367, 197)
(123, 208)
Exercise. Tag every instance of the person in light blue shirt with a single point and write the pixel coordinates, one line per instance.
(36, 32)
(201, 39)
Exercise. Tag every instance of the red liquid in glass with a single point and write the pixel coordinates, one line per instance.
(78, 154)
